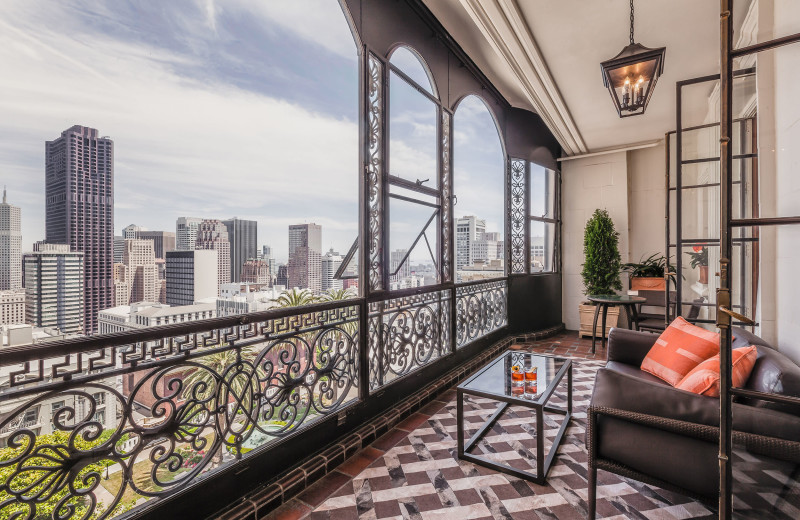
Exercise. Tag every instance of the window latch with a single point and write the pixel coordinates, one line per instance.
(420, 183)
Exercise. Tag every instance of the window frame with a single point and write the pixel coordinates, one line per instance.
(555, 220)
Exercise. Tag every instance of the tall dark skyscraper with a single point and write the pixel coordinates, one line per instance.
(243, 236)
(79, 187)
(305, 257)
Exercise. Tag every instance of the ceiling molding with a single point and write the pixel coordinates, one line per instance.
(504, 28)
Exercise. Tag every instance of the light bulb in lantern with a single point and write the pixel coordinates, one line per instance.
(626, 92)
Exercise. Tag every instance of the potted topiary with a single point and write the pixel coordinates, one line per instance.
(648, 274)
(600, 269)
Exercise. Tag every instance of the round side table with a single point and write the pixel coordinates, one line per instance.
(605, 300)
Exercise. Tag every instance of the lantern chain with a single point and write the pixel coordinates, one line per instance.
(631, 22)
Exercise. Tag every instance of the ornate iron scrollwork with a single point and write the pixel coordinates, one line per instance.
(154, 415)
(480, 309)
(518, 218)
(446, 201)
(374, 171)
(406, 334)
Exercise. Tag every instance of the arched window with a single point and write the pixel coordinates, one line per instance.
(479, 186)
(413, 173)
(215, 110)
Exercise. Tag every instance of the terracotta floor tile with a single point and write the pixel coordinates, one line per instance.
(323, 488)
(292, 510)
(389, 439)
(358, 462)
(412, 422)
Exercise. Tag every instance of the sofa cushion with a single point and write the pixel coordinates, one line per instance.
(704, 378)
(774, 373)
(680, 348)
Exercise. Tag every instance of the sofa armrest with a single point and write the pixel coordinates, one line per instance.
(629, 346)
(626, 393)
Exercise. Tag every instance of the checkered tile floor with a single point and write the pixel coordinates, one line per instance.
(413, 473)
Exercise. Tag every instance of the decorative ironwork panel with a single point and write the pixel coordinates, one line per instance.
(374, 171)
(90, 434)
(480, 309)
(518, 217)
(410, 332)
(447, 200)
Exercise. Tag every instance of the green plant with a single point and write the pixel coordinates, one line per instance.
(654, 266)
(699, 256)
(601, 252)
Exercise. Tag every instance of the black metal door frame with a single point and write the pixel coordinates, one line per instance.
(727, 223)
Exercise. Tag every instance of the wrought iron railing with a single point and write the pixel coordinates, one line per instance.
(480, 309)
(182, 401)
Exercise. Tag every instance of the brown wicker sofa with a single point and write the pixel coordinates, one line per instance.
(640, 427)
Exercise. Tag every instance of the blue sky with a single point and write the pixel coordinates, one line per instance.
(217, 109)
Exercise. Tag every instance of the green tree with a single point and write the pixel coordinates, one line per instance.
(46, 471)
(296, 298)
(337, 294)
(601, 251)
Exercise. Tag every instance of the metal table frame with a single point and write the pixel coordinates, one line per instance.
(630, 308)
(539, 405)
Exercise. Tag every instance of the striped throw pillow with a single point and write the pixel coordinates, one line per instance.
(704, 378)
(680, 348)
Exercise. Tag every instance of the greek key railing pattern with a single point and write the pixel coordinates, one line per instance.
(374, 171)
(146, 419)
(518, 217)
(480, 309)
(405, 334)
(447, 200)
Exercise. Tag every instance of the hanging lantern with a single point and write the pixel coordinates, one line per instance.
(631, 76)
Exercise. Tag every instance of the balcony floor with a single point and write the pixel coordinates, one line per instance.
(412, 473)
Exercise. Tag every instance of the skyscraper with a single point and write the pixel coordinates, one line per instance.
(54, 287)
(266, 255)
(79, 186)
(10, 246)
(243, 236)
(305, 254)
(119, 248)
(132, 231)
(405, 271)
(469, 229)
(212, 234)
(163, 241)
(186, 233)
(141, 271)
(191, 276)
(330, 264)
(256, 271)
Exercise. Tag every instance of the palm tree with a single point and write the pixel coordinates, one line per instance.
(295, 298)
(337, 294)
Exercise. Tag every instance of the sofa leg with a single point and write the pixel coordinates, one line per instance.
(592, 499)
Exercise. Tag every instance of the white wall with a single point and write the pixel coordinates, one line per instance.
(786, 150)
(589, 184)
(646, 177)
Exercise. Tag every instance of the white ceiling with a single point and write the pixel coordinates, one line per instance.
(544, 55)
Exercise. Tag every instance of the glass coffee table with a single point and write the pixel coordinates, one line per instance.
(494, 382)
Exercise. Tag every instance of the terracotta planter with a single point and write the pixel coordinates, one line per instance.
(648, 283)
(704, 274)
(586, 311)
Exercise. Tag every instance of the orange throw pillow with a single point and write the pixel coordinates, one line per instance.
(704, 379)
(680, 348)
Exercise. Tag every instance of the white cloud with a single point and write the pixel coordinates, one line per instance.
(182, 147)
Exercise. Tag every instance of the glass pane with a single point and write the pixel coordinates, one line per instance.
(700, 173)
(407, 222)
(479, 186)
(700, 213)
(542, 246)
(542, 192)
(762, 21)
(413, 134)
(699, 285)
(412, 66)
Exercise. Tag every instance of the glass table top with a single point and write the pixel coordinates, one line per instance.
(496, 378)
(615, 298)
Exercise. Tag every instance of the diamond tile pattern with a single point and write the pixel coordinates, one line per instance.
(420, 478)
